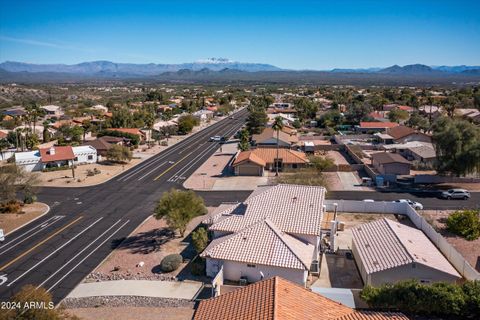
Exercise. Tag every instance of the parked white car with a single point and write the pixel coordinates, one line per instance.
(415, 205)
(215, 138)
(456, 194)
(2, 235)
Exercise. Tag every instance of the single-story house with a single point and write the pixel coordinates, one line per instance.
(254, 162)
(417, 151)
(247, 254)
(402, 134)
(55, 156)
(403, 253)
(142, 134)
(377, 126)
(268, 138)
(391, 163)
(277, 298)
(18, 111)
(54, 111)
(103, 144)
(100, 108)
(284, 221)
(203, 115)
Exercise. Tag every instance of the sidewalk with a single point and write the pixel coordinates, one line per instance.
(143, 288)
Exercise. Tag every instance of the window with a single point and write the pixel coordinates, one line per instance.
(251, 266)
(76, 159)
(90, 157)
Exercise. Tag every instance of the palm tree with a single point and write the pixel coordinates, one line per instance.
(277, 126)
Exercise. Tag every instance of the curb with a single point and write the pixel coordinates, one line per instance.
(27, 223)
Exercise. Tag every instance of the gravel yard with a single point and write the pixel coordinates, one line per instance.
(9, 222)
(470, 250)
(149, 244)
(123, 308)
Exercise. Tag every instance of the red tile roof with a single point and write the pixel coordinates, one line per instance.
(60, 153)
(262, 156)
(277, 298)
(378, 124)
(128, 130)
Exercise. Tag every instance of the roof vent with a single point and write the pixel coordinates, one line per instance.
(375, 262)
(244, 238)
(367, 245)
(294, 199)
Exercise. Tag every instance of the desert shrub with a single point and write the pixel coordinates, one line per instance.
(11, 206)
(437, 299)
(200, 239)
(90, 173)
(30, 198)
(465, 223)
(164, 143)
(171, 262)
(96, 171)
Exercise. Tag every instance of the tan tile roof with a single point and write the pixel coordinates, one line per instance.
(262, 243)
(127, 130)
(60, 153)
(385, 244)
(277, 298)
(262, 156)
(373, 315)
(399, 132)
(293, 208)
(269, 133)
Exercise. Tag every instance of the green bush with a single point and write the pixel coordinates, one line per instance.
(30, 198)
(200, 239)
(171, 262)
(438, 299)
(56, 168)
(465, 223)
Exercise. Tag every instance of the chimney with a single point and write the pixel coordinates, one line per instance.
(51, 151)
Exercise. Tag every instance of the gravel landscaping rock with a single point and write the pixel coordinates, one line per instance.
(125, 301)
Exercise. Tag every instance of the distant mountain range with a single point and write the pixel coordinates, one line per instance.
(225, 70)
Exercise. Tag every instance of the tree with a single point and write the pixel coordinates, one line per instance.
(244, 143)
(118, 153)
(186, 124)
(417, 121)
(31, 294)
(178, 208)
(397, 115)
(306, 108)
(46, 133)
(358, 111)
(331, 119)
(257, 117)
(321, 163)
(457, 145)
(14, 179)
(70, 133)
(277, 126)
(200, 239)
(122, 118)
(465, 223)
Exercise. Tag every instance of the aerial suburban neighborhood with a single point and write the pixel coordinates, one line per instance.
(219, 189)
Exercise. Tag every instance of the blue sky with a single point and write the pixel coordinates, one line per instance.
(294, 34)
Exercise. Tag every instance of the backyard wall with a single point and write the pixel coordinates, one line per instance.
(452, 255)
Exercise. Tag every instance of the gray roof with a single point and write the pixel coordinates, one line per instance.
(387, 157)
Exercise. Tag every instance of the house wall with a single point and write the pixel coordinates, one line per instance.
(83, 158)
(248, 169)
(392, 168)
(416, 271)
(30, 166)
(233, 271)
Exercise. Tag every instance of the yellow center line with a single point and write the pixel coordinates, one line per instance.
(40, 243)
(171, 167)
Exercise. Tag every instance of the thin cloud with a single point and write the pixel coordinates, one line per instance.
(38, 43)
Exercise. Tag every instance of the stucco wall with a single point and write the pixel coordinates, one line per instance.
(235, 270)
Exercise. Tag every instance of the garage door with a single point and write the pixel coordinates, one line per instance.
(249, 170)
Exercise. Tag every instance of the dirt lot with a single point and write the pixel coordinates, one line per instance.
(9, 222)
(337, 157)
(133, 313)
(149, 243)
(470, 250)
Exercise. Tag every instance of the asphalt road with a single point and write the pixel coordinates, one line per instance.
(430, 199)
(84, 224)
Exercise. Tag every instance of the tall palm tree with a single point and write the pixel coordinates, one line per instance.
(277, 126)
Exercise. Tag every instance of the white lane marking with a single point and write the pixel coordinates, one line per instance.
(79, 253)
(168, 151)
(156, 168)
(53, 252)
(27, 232)
(3, 279)
(86, 257)
(43, 226)
(184, 169)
